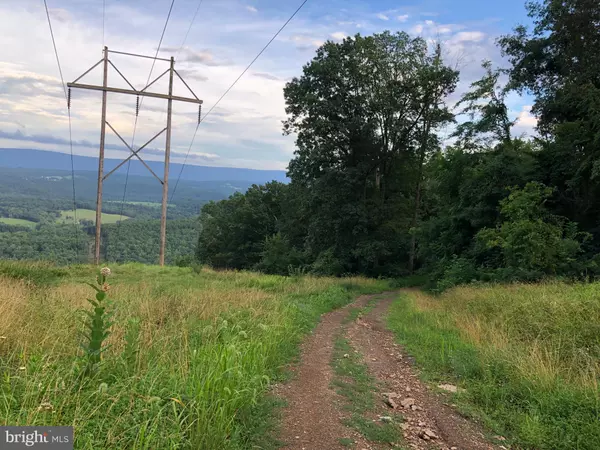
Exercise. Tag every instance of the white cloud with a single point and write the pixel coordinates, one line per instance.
(526, 122)
(469, 36)
(251, 9)
(338, 35)
(402, 18)
(417, 29)
(382, 16)
(305, 41)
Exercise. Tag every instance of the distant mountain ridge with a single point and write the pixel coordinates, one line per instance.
(44, 159)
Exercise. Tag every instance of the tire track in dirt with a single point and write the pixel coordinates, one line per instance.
(312, 418)
(429, 423)
(313, 415)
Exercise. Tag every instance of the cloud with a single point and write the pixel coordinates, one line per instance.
(60, 15)
(49, 139)
(338, 35)
(192, 74)
(306, 42)
(417, 29)
(251, 9)
(525, 122)
(175, 154)
(266, 76)
(468, 36)
(444, 29)
(403, 18)
(382, 16)
(350, 23)
(204, 56)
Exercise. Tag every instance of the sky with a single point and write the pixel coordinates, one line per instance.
(244, 130)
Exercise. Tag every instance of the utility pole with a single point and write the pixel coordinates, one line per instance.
(165, 192)
(135, 153)
(101, 161)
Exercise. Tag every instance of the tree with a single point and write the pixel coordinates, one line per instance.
(364, 111)
(530, 239)
(233, 231)
(440, 81)
(488, 115)
(557, 61)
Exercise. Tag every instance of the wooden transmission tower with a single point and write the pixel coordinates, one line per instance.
(105, 61)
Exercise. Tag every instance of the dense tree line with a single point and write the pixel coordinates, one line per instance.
(374, 191)
(139, 240)
(135, 240)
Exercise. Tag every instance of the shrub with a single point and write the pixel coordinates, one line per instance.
(278, 256)
(530, 239)
(328, 264)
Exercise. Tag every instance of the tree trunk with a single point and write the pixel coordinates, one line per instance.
(415, 218)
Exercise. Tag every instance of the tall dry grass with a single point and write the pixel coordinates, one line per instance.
(189, 357)
(528, 355)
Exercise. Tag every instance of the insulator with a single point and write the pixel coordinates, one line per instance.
(199, 113)
(137, 106)
(69, 98)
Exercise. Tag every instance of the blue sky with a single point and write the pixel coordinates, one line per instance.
(245, 129)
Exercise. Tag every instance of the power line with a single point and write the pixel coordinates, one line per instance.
(67, 98)
(103, 19)
(189, 28)
(229, 89)
(136, 119)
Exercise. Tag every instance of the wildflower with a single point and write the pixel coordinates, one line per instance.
(105, 271)
(105, 287)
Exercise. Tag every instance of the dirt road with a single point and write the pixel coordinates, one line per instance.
(401, 411)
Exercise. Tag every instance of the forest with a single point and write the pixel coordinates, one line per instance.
(376, 190)
(37, 219)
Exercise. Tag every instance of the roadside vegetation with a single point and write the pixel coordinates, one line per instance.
(189, 357)
(359, 389)
(527, 356)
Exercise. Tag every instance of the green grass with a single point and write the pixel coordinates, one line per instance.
(190, 360)
(353, 382)
(21, 222)
(88, 214)
(527, 356)
(149, 204)
(347, 442)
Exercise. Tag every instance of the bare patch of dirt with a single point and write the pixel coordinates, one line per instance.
(428, 422)
(312, 419)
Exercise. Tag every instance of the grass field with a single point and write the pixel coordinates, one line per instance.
(88, 214)
(21, 222)
(149, 204)
(527, 355)
(190, 357)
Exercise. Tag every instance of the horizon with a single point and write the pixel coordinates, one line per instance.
(133, 161)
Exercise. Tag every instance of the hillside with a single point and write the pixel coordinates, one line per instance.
(191, 353)
(197, 359)
(41, 159)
